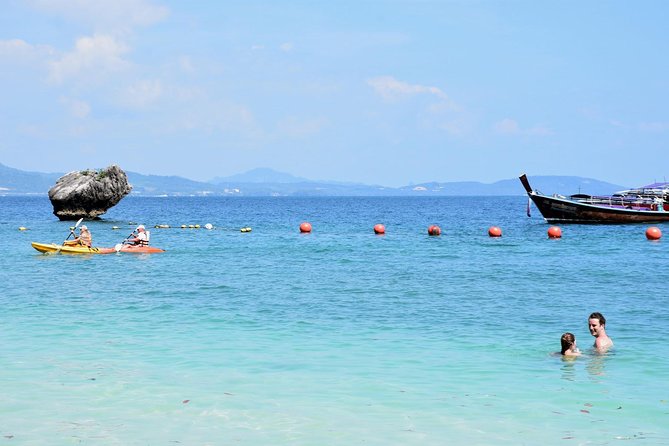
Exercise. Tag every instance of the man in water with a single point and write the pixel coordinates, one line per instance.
(597, 326)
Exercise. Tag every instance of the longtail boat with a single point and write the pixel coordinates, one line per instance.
(647, 204)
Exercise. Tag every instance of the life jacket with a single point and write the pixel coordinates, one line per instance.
(85, 239)
(143, 241)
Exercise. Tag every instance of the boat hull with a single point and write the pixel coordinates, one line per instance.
(135, 249)
(556, 209)
(52, 248)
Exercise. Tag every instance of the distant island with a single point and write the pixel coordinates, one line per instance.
(264, 182)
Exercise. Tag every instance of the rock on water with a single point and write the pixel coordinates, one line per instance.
(88, 193)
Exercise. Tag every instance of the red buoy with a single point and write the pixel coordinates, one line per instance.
(494, 231)
(434, 230)
(305, 227)
(653, 233)
(554, 232)
(379, 229)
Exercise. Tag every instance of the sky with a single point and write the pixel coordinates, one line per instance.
(387, 92)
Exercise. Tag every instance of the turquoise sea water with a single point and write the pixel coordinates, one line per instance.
(337, 337)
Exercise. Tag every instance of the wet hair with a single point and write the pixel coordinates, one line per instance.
(567, 340)
(600, 317)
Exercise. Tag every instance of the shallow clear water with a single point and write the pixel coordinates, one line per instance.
(336, 337)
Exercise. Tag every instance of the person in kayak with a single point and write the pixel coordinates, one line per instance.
(141, 237)
(85, 238)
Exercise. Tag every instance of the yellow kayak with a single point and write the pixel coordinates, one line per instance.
(64, 249)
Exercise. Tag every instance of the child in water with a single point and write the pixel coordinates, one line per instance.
(569, 348)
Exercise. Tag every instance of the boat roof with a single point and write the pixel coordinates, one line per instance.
(652, 189)
(656, 186)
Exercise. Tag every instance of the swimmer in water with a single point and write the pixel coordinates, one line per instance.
(597, 327)
(569, 348)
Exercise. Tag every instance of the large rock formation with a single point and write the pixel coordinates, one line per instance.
(88, 193)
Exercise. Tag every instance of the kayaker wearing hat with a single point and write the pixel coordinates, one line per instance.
(85, 238)
(141, 238)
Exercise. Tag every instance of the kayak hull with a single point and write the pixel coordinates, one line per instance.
(52, 248)
(136, 249)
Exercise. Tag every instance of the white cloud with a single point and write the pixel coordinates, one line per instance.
(509, 126)
(14, 46)
(18, 49)
(92, 58)
(286, 47)
(186, 64)
(95, 56)
(142, 93)
(390, 88)
(78, 109)
(104, 15)
(443, 112)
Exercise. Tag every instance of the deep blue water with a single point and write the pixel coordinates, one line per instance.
(335, 337)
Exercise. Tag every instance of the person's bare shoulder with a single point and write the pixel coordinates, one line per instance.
(603, 344)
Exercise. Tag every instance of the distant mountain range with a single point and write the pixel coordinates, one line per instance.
(260, 175)
(268, 182)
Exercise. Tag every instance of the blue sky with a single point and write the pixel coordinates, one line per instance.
(381, 92)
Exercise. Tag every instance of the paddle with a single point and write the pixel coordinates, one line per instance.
(119, 246)
(72, 228)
